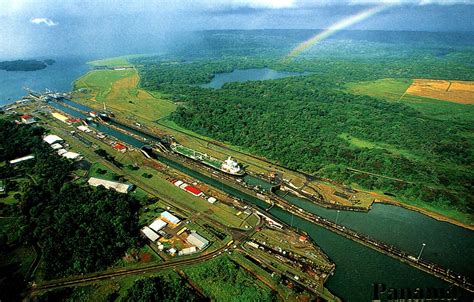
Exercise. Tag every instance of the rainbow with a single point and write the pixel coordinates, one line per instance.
(335, 28)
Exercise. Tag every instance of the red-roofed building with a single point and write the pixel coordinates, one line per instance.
(27, 119)
(120, 147)
(193, 190)
(73, 121)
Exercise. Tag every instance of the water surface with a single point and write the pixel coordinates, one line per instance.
(56, 77)
(244, 75)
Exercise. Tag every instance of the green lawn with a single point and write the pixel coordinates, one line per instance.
(100, 81)
(393, 90)
(118, 90)
(441, 110)
(387, 89)
(360, 143)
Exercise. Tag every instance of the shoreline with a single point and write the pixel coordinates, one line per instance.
(428, 213)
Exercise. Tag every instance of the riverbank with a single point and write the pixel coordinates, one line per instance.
(426, 212)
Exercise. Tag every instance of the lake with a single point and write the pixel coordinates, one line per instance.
(244, 75)
(57, 77)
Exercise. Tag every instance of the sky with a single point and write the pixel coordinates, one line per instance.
(30, 27)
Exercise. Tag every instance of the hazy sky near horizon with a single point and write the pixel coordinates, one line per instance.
(55, 26)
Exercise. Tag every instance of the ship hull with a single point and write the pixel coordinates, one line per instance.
(212, 164)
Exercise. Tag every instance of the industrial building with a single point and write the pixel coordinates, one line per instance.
(27, 119)
(157, 225)
(71, 155)
(170, 218)
(120, 147)
(194, 191)
(21, 159)
(51, 139)
(84, 129)
(117, 186)
(197, 240)
(187, 251)
(150, 234)
(56, 146)
(60, 117)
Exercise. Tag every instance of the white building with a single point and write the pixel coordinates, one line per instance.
(150, 234)
(71, 155)
(62, 151)
(157, 225)
(84, 128)
(197, 240)
(188, 251)
(51, 139)
(56, 146)
(21, 159)
(178, 183)
(167, 216)
(117, 186)
(212, 200)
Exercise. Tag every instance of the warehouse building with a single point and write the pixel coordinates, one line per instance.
(150, 234)
(117, 186)
(27, 119)
(188, 251)
(170, 218)
(51, 139)
(71, 155)
(157, 225)
(56, 146)
(197, 240)
(21, 159)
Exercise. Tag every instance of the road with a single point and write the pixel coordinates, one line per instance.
(78, 280)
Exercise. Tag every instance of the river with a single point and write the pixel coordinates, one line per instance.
(358, 267)
(243, 75)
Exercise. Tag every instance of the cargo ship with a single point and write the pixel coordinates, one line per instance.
(229, 166)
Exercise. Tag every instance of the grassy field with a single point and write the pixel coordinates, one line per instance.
(394, 90)
(118, 90)
(441, 110)
(360, 143)
(387, 89)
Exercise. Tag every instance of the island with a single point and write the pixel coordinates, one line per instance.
(25, 65)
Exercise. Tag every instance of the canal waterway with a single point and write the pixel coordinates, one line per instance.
(446, 244)
(244, 75)
(357, 266)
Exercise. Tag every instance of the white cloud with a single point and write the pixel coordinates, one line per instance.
(45, 21)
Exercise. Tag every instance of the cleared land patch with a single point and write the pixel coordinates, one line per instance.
(387, 89)
(361, 143)
(461, 92)
(118, 90)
